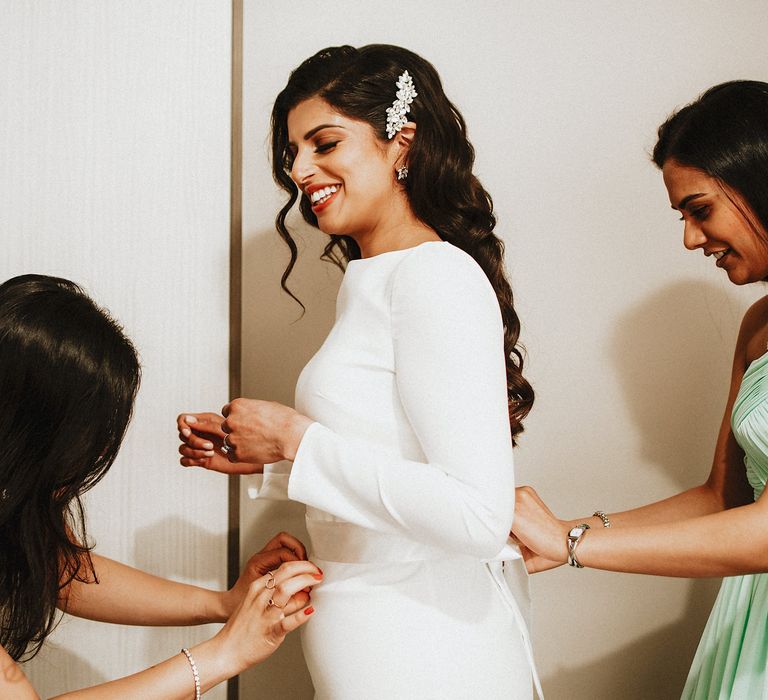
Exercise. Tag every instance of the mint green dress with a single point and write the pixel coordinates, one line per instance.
(732, 659)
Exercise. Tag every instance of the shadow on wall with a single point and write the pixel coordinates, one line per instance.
(652, 666)
(672, 353)
(187, 540)
(277, 342)
(55, 668)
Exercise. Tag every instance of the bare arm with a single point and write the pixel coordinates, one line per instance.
(725, 543)
(255, 629)
(710, 530)
(170, 680)
(128, 596)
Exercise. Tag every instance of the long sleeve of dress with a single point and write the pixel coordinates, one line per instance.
(270, 485)
(450, 377)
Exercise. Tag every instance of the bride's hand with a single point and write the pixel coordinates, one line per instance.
(202, 440)
(543, 536)
(262, 431)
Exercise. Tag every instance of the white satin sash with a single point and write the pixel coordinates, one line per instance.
(350, 544)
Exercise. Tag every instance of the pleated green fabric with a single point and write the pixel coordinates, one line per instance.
(731, 662)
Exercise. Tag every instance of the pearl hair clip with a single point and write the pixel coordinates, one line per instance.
(396, 118)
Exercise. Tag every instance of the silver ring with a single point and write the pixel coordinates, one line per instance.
(226, 448)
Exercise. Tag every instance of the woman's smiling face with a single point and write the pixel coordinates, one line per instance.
(719, 222)
(342, 167)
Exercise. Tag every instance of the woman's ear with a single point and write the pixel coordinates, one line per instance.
(402, 141)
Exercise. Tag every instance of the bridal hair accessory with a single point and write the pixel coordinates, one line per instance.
(402, 172)
(195, 672)
(401, 106)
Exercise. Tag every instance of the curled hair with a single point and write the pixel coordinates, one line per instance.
(68, 378)
(442, 190)
(724, 133)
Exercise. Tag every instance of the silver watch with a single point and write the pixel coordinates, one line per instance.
(574, 537)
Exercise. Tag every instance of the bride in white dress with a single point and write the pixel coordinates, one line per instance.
(401, 441)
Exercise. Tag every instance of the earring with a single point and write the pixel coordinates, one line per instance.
(402, 172)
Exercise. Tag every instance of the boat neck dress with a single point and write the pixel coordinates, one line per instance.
(732, 658)
(407, 475)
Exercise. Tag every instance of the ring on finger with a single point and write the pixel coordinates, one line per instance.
(273, 604)
(226, 448)
(270, 581)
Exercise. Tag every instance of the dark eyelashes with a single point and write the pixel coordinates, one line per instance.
(700, 214)
(289, 157)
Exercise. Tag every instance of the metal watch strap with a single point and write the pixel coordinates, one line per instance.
(573, 541)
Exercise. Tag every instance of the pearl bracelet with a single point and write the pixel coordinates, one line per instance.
(193, 666)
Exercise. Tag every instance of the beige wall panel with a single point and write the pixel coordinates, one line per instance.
(629, 337)
(115, 127)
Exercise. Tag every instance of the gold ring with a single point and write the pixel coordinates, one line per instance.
(270, 581)
(272, 603)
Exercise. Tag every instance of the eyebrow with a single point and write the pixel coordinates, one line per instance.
(320, 127)
(685, 200)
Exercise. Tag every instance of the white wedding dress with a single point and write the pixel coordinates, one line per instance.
(408, 479)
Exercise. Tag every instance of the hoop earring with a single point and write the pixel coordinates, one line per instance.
(402, 172)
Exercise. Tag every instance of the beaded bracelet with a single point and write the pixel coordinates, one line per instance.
(193, 665)
(600, 514)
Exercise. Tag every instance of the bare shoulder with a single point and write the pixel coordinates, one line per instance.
(13, 683)
(753, 334)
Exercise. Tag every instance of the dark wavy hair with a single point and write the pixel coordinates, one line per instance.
(442, 191)
(724, 133)
(68, 378)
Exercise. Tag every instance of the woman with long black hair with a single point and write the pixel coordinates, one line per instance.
(713, 154)
(68, 378)
(401, 441)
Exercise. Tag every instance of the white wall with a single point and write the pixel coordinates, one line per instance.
(629, 337)
(114, 134)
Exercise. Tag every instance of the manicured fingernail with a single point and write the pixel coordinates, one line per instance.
(309, 610)
(208, 453)
(207, 445)
(190, 419)
(317, 576)
(186, 432)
